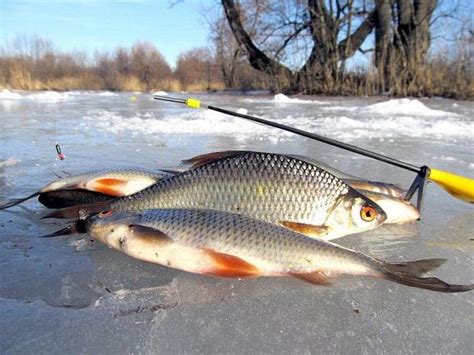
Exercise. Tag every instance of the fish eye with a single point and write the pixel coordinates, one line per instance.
(105, 213)
(368, 213)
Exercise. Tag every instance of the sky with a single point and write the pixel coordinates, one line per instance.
(173, 26)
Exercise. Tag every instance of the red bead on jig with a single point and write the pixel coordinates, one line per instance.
(61, 155)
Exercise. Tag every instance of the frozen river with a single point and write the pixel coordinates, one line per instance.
(71, 295)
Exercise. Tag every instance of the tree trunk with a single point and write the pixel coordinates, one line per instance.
(321, 68)
(383, 37)
(404, 59)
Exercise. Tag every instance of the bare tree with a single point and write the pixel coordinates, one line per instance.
(318, 23)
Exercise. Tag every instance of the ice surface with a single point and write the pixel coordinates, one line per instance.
(337, 126)
(72, 295)
(190, 123)
(8, 162)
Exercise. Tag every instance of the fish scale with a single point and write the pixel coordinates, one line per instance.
(256, 184)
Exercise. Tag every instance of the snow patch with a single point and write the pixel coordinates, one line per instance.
(50, 96)
(160, 93)
(6, 94)
(405, 107)
(107, 93)
(283, 99)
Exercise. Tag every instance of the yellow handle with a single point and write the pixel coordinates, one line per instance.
(458, 186)
(193, 103)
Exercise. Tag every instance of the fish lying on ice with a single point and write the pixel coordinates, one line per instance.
(270, 187)
(72, 190)
(231, 245)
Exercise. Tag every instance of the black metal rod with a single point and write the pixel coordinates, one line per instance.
(169, 99)
(349, 147)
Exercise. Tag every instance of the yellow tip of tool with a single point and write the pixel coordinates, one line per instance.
(193, 103)
(458, 186)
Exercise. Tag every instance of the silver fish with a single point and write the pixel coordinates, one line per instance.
(231, 245)
(111, 182)
(271, 187)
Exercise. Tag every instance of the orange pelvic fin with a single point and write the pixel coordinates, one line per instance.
(204, 159)
(108, 186)
(226, 265)
(316, 277)
(310, 230)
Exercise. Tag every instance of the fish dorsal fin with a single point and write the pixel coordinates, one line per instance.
(226, 265)
(172, 171)
(309, 230)
(204, 159)
(315, 277)
(150, 235)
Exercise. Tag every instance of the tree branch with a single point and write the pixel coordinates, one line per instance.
(355, 40)
(257, 58)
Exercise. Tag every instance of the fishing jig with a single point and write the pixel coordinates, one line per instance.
(61, 155)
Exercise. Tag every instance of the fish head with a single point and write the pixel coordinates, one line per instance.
(354, 213)
(110, 227)
(398, 210)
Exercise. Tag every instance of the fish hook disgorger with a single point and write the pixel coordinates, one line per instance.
(458, 186)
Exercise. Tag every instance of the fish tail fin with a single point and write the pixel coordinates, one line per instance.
(15, 201)
(81, 211)
(409, 274)
(77, 227)
(415, 268)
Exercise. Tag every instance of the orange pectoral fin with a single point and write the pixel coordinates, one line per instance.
(108, 186)
(316, 277)
(226, 265)
(312, 231)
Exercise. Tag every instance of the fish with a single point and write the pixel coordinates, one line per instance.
(271, 187)
(111, 182)
(398, 210)
(225, 244)
(353, 181)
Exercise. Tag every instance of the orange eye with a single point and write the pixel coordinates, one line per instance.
(368, 213)
(105, 213)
